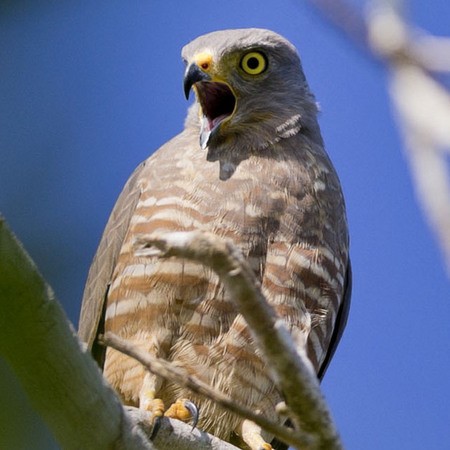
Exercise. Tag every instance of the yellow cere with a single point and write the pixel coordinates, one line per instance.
(253, 63)
(204, 61)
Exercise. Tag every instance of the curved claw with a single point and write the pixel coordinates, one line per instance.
(156, 426)
(192, 408)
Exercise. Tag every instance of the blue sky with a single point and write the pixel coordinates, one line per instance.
(88, 90)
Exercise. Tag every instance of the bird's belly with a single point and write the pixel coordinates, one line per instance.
(173, 309)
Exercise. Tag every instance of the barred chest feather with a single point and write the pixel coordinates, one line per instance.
(280, 212)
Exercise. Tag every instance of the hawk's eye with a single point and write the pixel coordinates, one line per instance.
(254, 63)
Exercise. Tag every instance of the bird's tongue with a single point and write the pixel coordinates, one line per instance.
(205, 132)
(217, 103)
(207, 127)
(216, 120)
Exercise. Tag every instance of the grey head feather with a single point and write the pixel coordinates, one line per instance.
(273, 106)
(224, 41)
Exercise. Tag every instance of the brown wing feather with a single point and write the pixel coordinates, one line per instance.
(341, 322)
(105, 259)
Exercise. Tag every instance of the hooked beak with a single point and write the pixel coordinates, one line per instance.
(216, 99)
(193, 75)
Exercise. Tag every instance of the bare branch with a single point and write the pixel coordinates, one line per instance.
(422, 103)
(176, 435)
(433, 53)
(295, 376)
(397, 42)
(417, 98)
(60, 378)
(423, 111)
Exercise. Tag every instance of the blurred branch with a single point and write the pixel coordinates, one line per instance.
(423, 111)
(421, 102)
(61, 380)
(292, 370)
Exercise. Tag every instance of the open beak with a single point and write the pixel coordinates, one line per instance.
(216, 99)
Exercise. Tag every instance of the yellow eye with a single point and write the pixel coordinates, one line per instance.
(254, 63)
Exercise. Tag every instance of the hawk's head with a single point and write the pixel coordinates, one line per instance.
(250, 88)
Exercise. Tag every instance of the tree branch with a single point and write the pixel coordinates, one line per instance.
(294, 374)
(421, 101)
(422, 105)
(176, 435)
(61, 379)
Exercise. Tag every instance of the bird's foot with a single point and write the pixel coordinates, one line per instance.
(184, 410)
(153, 405)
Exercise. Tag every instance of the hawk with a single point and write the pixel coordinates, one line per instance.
(250, 166)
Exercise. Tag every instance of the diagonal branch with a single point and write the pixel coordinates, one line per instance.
(60, 378)
(421, 100)
(294, 375)
(422, 105)
(173, 434)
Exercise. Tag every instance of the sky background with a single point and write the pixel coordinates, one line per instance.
(89, 89)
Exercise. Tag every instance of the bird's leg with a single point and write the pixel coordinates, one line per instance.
(184, 410)
(147, 398)
(251, 435)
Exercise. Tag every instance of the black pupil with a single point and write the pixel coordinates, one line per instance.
(252, 63)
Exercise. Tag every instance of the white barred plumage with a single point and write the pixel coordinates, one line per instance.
(264, 180)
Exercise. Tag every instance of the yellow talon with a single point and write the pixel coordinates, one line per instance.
(157, 408)
(178, 410)
(152, 404)
(184, 410)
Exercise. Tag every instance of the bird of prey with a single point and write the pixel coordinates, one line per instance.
(249, 166)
